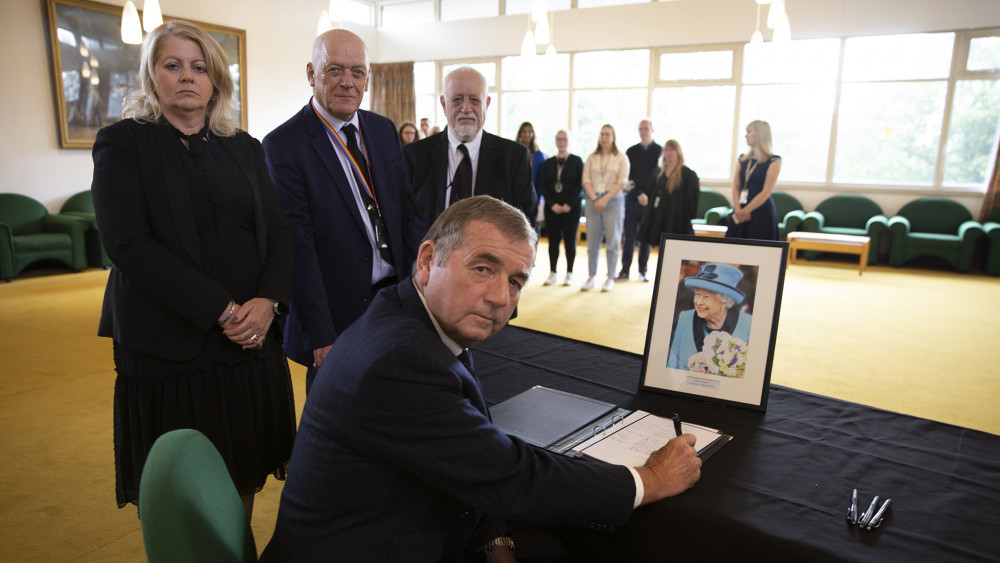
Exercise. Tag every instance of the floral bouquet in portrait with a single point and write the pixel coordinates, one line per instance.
(722, 355)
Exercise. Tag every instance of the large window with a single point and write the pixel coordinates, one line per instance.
(917, 110)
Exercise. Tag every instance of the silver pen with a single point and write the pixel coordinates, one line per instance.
(876, 520)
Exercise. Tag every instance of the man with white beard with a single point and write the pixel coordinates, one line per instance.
(463, 160)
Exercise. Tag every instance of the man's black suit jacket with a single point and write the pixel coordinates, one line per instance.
(396, 458)
(333, 255)
(157, 298)
(504, 172)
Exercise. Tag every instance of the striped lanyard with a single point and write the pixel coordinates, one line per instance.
(355, 167)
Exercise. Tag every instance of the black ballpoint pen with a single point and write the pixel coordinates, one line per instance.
(677, 424)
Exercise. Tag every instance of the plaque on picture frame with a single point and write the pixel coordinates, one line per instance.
(714, 318)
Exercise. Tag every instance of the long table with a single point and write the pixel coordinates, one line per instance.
(780, 490)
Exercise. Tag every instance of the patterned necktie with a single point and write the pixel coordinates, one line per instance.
(461, 184)
(374, 213)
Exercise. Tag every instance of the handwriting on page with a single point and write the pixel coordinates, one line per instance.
(632, 444)
(640, 435)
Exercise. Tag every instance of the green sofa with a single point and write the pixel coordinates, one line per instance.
(788, 208)
(711, 208)
(28, 233)
(934, 226)
(848, 214)
(790, 213)
(991, 230)
(82, 205)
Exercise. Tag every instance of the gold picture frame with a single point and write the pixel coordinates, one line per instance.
(93, 70)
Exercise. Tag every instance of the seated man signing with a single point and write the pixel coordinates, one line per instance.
(396, 458)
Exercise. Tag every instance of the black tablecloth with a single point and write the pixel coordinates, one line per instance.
(781, 488)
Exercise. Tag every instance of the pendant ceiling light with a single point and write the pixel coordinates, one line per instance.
(151, 16)
(131, 28)
(528, 44)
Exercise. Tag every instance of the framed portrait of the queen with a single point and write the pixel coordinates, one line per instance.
(714, 318)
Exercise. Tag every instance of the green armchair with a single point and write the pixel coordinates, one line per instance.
(848, 214)
(82, 205)
(991, 230)
(713, 208)
(790, 213)
(934, 226)
(28, 233)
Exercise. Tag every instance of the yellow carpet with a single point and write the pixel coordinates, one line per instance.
(915, 341)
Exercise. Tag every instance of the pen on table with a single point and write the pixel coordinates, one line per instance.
(867, 516)
(677, 424)
(877, 519)
(852, 514)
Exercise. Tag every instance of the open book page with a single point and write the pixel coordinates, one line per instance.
(631, 441)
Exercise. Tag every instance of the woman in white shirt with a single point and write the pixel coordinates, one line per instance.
(604, 176)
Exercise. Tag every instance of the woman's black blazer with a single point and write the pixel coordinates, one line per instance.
(157, 299)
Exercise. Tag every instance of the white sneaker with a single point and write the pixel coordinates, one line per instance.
(609, 284)
(569, 278)
(551, 280)
(588, 285)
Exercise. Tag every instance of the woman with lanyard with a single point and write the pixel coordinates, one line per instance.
(559, 180)
(754, 215)
(604, 177)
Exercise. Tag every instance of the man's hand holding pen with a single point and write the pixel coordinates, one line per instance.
(670, 470)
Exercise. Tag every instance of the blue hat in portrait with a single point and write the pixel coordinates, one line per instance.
(719, 278)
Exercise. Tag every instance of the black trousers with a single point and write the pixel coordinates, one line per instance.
(630, 231)
(562, 227)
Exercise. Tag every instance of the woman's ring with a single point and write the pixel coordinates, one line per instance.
(253, 338)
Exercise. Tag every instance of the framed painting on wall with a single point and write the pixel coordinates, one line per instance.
(93, 70)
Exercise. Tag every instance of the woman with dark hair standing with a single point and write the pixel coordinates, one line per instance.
(670, 195)
(526, 136)
(754, 215)
(202, 268)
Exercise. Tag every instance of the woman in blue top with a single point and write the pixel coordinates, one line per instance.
(754, 215)
(716, 294)
(526, 136)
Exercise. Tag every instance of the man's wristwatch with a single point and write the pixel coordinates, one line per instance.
(497, 543)
(280, 308)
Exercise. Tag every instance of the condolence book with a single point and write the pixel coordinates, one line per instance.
(580, 426)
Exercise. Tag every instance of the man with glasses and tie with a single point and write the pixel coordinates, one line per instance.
(341, 178)
(463, 160)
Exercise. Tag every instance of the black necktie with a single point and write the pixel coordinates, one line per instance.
(374, 213)
(461, 184)
(466, 358)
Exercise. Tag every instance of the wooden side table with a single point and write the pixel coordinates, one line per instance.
(824, 242)
(710, 230)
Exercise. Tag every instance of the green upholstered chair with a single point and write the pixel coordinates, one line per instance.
(790, 213)
(934, 226)
(712, 208)
(82, 205)
(189, 509)
(848, 214)
(29, 233)
(991, 230)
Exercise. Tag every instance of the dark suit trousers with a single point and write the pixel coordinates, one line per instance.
(633, 215)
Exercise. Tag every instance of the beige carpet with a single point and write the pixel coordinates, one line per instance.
(914, 341)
